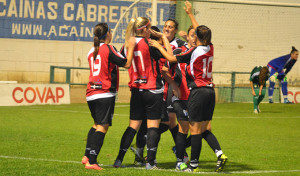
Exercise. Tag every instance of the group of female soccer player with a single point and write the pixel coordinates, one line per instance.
(186, 77)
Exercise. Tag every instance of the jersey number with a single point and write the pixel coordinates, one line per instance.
(207, 63)
(96, 65)
(138, 54)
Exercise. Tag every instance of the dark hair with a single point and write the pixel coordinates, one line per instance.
(100, 32)
(190, 28)
(155, 29)
(293, 50)
(175, 22)
(263, 75)
(204, 34)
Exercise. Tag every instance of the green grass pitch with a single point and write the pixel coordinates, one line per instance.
(50, 140)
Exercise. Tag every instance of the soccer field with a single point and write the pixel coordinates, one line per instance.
(50, 140)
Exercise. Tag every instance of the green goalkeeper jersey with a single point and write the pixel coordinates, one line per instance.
(254, 76)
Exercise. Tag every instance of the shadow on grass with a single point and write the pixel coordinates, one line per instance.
(211, 166)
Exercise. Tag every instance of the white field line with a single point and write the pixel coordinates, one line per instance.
(167, 170)
(255, 116)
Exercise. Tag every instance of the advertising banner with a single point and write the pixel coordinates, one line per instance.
(33, 94)
(71, 20)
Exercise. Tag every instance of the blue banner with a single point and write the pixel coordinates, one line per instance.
(71, 20)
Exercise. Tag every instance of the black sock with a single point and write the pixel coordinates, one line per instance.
(153, 137)
(188, 142)
(211, 140)
(196, 141)
(141, 136)
(88, 142)
(125, 142)
(174, 132)
(96, 144)
(180, 146)
(141, 140)
(163, 128)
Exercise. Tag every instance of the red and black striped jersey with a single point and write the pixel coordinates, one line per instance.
(144, 72)
(178, 73)
(104, 72)
(199, 65)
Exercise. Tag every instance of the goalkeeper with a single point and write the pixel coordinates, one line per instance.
(258, 77)
(276, 68)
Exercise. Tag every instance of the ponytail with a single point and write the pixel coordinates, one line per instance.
(294, 50)
(135, 27)
(100, 32)
(96, 46)
(130, 31)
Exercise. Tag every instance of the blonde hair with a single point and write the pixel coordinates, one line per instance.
(134, 27)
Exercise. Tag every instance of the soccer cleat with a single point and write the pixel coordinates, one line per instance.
(137, 155)
(150, 167)
(221, 162)
(93, 166)
(191, 169)
(139, 162)
(288, 102)
(117, 163)
(84, 160)
(181, 166)
(271, 101)
(258, 109)
(255, 111)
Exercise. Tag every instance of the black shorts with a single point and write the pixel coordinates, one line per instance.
(180, 108)
(102, 110)
(201, 104)
(145, 104)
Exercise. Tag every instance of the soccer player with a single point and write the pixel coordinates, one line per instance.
(169, 116)
(175, 72)
(146, 91)
(201, 100)
(258, 77)
(279, 68)
(103, 84)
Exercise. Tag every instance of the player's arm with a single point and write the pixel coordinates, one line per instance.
(164, 39)
(189, 11)
(166, 55)
(167, 76)
(252, 88)
(119, 59)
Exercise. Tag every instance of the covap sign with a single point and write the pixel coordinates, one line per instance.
(72, 20)
(32, 94)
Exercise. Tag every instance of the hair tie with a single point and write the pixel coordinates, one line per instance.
(103, 36)
(143, 26)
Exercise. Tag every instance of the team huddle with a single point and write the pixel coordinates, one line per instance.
(171, 89)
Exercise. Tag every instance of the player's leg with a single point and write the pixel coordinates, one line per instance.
(261, 97)
(256, 100)
(86, 156)
(284, 90)
(180, 107)
(137, 114)
(102, 111)
(138, 148)
(208, 135)
(173, 127)
(272, 80)
(153, 104)
(196, 103)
